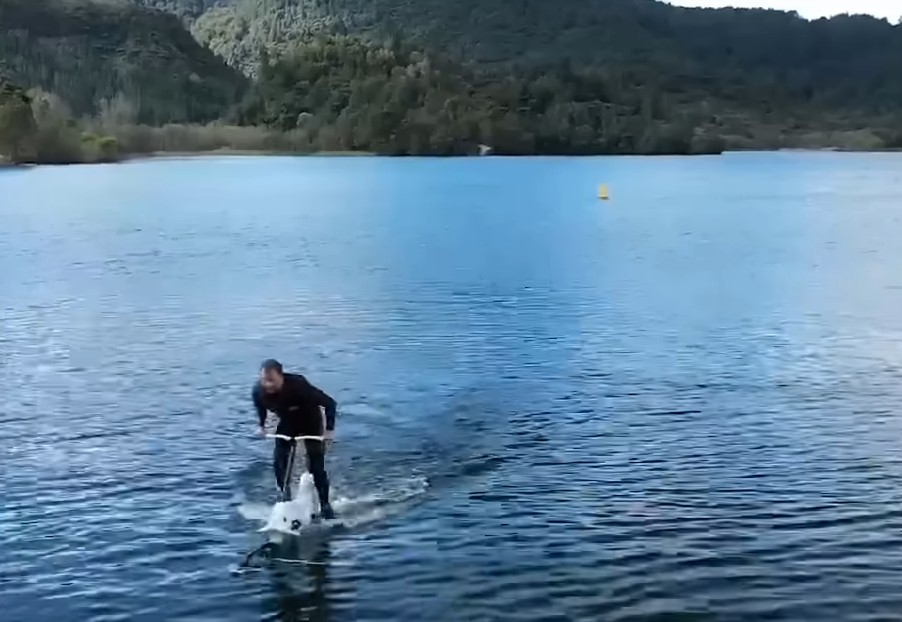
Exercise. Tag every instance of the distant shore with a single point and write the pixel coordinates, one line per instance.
(211, 153)
(182, 155)
(185, 155)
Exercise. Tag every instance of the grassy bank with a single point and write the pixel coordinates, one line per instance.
(106, 141)
(55, 137)
(38, 127)
(88, 142)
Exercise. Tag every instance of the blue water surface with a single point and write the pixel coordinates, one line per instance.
(680, 404)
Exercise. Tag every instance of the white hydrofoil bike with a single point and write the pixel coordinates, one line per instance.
(299, 507)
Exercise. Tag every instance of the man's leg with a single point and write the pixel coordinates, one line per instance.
(280, 455)
(316, 464)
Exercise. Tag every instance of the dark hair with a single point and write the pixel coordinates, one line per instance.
(272, 365)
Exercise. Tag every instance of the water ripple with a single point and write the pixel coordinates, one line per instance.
(656, 410)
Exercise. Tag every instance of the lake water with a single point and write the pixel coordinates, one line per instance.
(681, 404)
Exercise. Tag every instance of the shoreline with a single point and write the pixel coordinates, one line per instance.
(179, 155)
(185, 155)
(237, 153)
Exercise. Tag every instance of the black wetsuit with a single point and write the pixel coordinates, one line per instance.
(297, 405)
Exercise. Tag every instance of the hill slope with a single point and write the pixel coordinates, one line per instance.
(186, 9)
(88, 52)
(844, 61)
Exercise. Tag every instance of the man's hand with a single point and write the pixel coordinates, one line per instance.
(328, 437)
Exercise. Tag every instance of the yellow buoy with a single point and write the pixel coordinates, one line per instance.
(603, 193)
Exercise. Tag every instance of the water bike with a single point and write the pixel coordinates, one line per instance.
(299, 507)
(297, 512)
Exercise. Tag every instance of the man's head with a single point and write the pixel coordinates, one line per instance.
(271, 376)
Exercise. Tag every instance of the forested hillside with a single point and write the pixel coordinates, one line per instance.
(97, 53)
(442, 77)
(346, 94)
(747, 55)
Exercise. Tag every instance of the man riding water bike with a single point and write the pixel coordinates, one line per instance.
(298, 404)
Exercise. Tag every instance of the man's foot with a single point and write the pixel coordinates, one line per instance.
(327, 512)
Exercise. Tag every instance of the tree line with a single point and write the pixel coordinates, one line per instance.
(37, 127)
(347, 94)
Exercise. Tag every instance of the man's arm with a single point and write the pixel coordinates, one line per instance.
(258, 405)
(328, 404)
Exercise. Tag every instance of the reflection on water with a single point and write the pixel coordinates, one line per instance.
(679, 404)
(300, 576)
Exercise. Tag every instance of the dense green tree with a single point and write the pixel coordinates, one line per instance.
(18, 130)
(350, 94)
(59, 136)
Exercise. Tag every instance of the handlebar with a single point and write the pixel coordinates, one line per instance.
(282, 437)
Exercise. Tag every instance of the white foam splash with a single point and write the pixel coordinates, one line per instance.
(353, 510)
(255, 511)
(293, 516)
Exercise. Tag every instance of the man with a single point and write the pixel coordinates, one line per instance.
(297, 403)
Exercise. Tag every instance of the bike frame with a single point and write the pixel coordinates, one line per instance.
(286, 489)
